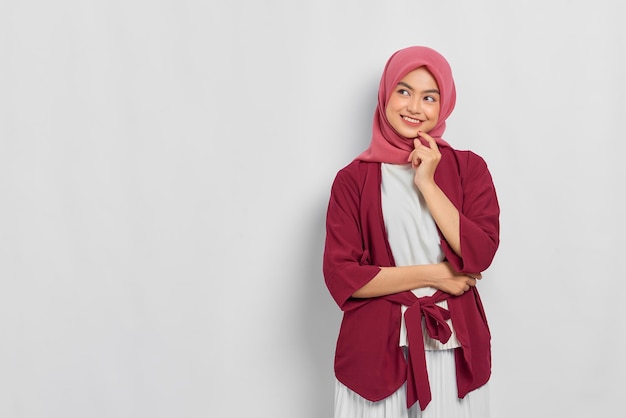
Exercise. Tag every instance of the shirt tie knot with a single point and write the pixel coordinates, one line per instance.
(435, 317)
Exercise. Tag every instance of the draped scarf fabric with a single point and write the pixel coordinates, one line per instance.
(387, 146)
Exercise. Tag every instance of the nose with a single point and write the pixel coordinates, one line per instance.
(415, 105)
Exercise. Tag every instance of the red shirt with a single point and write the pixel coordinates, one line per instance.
(368, 358)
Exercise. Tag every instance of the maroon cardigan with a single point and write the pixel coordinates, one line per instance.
(368, 358)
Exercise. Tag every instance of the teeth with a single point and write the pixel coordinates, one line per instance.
(411, 119)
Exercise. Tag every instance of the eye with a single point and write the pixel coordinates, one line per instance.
(403, 92)
(430, 99)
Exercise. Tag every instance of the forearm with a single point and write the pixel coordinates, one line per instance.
(399, 279)
(444, 213)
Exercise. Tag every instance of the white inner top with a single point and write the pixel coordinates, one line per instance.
(412, 235)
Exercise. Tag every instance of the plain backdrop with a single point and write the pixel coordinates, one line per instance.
(165, 168)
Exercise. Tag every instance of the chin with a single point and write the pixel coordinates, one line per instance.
(410, 135)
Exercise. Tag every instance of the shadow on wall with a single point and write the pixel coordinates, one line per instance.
(320, 319)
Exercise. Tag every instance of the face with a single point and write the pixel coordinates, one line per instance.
(414, 104)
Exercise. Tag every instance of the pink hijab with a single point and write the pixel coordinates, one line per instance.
(387, 145)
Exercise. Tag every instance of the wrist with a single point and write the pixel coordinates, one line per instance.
(426, 185)
(434, 274)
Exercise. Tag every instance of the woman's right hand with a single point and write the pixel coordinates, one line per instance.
(456, 283)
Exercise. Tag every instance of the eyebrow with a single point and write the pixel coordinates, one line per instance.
(402, 83)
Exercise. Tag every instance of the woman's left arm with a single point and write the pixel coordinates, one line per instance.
(472, 235)
(425, 161)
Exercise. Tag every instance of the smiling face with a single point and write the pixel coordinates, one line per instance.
(414, 104)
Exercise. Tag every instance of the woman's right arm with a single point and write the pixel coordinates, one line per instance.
(441, 276)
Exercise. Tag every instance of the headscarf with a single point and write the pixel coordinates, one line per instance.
(387, 145)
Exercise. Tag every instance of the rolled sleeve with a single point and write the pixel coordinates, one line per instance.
(346, 264)
(479, 219)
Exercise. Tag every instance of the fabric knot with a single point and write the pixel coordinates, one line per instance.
(435, 317)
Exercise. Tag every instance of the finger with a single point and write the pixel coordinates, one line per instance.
(420, 147)
(423, 157)
(431, 141)
(414, 158)
(428, 154)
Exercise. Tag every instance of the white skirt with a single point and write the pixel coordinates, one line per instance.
(445, 402)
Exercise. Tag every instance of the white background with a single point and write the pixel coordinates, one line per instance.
(164, 174)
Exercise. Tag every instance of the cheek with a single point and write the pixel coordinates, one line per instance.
(389, 111)
(393, 104)
(434, 115)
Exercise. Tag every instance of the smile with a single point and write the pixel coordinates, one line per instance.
(408, 119)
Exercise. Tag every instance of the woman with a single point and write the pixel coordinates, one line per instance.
(411, 224)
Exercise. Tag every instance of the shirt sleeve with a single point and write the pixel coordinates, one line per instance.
(346, 263)
(479, 218)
